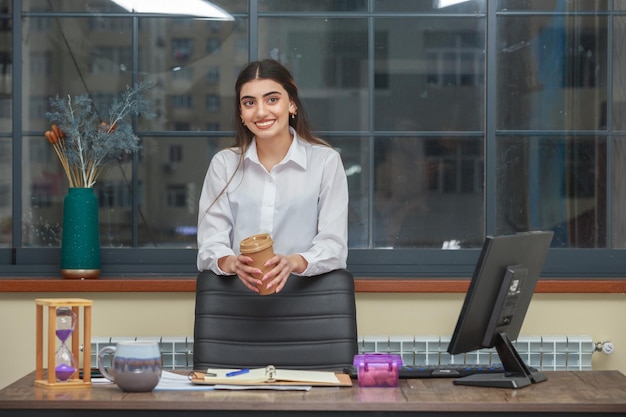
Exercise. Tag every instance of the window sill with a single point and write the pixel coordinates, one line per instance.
(363, 285)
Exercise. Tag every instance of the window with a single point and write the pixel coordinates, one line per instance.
(176, 153)
(41, 194)
(453, 123)
(213, 45)
(114, 194)
(38, 152)
(109, 60)
(181, 101)
(213, 103)
(176, 196)
(453, 59)
(181, 126)
(37, 107)
(41, 63)
(182, 48)
(213, 75)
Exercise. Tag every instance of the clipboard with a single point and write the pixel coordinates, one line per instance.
(270, 376)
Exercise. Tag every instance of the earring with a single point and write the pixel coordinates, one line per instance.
(293, 115)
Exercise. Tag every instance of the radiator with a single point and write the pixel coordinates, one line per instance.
(541, 352)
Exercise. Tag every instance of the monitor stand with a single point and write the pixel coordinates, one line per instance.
(516, 374)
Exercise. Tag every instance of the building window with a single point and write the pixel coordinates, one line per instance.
(181, 126)
(181, 101)
(37, 107)
(182, 48)
(114, 194)
(110, 60)
(41, 63)
(41, 194)
(213, 103)
(213, 45)
(176, 196)
(453, 59)
(176, 153)
(213, 75)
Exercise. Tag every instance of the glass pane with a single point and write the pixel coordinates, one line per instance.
(114, 192)
(44, 190)
(428, 191)
(355, 154)
(73, 56)
(618, 216)
(195, 63)
(6, 192)
(47, 186)
(98, 6)
(552, 5)
(328, 60)
(552, 72)
(6, 68)
(172, 172)
(429, 74)
(439, 6)
(619, 75)
(313, 5)
(553, 183)
(109, 6)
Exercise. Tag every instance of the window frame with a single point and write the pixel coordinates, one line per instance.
(367, 264)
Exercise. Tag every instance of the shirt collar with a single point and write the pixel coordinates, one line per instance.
(296, 152)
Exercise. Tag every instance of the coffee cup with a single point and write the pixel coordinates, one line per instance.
(136, 365)
(260, 248)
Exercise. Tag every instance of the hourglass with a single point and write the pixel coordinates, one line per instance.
(65, 364)
(63, 326)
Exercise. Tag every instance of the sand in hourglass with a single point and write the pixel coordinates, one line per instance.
(65, 362)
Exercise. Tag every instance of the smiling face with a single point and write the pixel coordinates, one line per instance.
(265, 108)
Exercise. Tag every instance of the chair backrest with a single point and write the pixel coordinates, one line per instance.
(310, 324)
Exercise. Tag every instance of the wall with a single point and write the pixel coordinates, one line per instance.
(171, 314)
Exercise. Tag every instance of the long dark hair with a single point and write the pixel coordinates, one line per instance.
(267, 69)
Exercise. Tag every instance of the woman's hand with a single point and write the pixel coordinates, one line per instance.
(284, 265)
(240, 266)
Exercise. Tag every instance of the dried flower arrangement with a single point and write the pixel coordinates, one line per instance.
(84, 144)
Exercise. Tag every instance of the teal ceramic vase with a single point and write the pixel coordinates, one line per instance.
(80, 247)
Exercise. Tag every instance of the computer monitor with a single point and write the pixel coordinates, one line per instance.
(496, 303)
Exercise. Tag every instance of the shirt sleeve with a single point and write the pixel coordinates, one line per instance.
(329, 250)
(215, 218)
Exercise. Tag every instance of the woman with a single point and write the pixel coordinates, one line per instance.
(278, 179)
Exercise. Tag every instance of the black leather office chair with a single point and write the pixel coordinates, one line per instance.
(310, 324)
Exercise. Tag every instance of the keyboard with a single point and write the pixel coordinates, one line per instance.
(439, 371)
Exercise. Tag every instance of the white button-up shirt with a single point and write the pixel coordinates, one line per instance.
(302, 203)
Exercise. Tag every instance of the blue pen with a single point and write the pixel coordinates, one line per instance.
(239, 372)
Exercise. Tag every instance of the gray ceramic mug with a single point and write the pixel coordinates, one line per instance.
(136, 366)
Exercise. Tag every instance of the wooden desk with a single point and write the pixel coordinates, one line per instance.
(587, 393)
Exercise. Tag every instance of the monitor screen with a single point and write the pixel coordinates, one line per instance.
(496, 303)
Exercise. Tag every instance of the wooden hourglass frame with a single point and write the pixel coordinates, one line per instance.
(52, 304)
